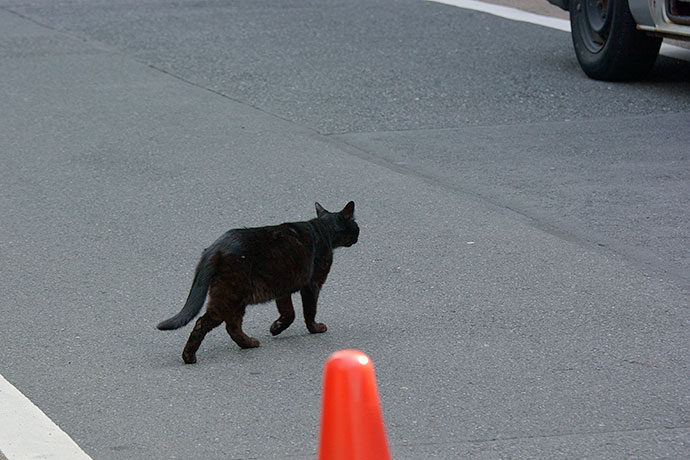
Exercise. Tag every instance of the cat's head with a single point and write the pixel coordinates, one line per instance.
(342, 224)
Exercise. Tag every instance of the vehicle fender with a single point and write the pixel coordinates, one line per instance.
(564, 4)
(641, 11)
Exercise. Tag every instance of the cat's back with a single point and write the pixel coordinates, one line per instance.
(271, 261)
(262, 240)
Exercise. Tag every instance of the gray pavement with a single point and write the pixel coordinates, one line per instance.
(521, 277)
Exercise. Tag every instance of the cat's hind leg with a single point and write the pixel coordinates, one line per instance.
(287, 315)
(203, 325)
(310, 295)
(233, 324)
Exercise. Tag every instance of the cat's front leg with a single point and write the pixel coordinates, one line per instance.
(287, 315)
(310, 295)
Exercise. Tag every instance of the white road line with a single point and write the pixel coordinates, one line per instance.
(546, 21)
(26, 433)
(509, 13)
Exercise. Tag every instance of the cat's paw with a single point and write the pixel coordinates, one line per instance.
(279, 326)
(189, 358)
(317, 328)
(251, 342)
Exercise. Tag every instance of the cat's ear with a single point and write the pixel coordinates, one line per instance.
(320, 211)
(349, 210)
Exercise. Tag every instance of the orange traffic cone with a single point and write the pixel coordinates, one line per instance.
(351, 422)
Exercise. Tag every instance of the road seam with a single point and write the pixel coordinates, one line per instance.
(545, 436)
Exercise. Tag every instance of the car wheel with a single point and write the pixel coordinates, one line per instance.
(607, 43)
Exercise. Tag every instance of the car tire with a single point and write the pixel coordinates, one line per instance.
(607, 43)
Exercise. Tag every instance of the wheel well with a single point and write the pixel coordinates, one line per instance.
(564, 4)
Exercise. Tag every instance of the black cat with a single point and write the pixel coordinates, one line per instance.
(254, 265)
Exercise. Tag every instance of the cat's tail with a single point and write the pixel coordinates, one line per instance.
(195, 299)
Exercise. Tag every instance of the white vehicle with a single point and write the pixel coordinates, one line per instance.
(620, 39)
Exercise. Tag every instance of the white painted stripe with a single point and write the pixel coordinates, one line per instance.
(26, 433)
(509, 13)
(514, 14)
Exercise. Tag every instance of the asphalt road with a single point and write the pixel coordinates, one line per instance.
(522, 276)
